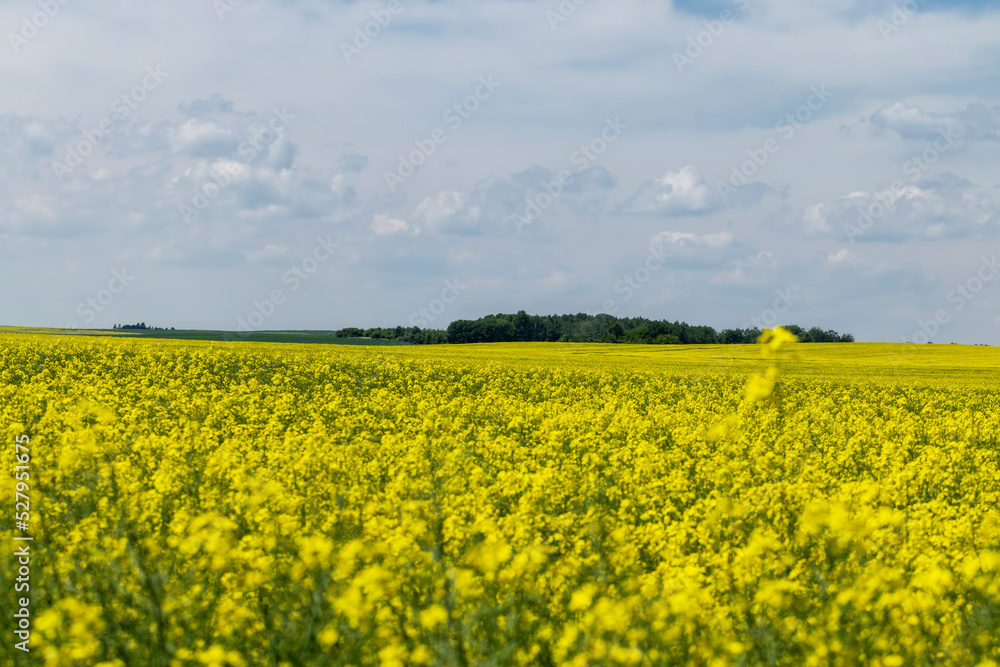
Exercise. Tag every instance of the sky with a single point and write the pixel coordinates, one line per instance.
(318, 164)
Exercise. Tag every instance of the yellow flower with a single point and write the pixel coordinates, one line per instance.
(420, 655)
(774, 339)
(582, 598)
(220, 501)
(760, 386)
(328, 636)
(433, 617)
(393, 656)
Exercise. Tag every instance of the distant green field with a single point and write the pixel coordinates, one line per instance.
(313, 337)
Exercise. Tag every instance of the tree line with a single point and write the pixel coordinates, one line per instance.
(142, 326)
(582, 328)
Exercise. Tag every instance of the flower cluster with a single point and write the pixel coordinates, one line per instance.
(240, 504)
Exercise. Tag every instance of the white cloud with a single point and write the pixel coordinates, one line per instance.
(450, 212)
(945, 207)
(199, 138)
(675, 193)
(699, 252)
(689, 239)
(975, 122)
(837, 257)
(755, 269)
(33, 208)
(383, 225)
(269, 252)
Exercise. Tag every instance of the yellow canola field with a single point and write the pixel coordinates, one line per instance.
(524, 504)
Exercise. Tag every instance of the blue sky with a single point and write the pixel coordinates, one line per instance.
(203, 165)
